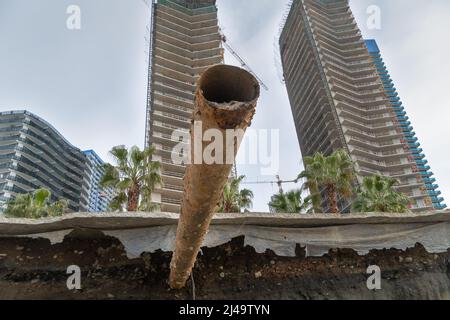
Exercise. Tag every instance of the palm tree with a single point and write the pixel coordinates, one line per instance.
(378, 195)
(134, 177)
(35, 205)
(235, 199)
(289, 202)
(335, 174)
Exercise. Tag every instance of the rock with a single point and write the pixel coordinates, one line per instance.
(408, 259)
(110, 296)
(258, 274)
(400, 259)
(19, 248)
(221, 267)
(34, 281)
(272, 262)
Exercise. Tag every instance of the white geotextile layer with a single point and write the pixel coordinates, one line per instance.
(318, 234)
(318, 241)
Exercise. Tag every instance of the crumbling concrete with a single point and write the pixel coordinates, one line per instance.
(35, 269)
(233, 267)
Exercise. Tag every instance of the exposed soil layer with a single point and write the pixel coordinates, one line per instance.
(34, 269)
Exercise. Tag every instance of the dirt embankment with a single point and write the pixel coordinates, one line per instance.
(34, 269)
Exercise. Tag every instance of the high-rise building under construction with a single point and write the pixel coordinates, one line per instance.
(338, 99)
(184, 41)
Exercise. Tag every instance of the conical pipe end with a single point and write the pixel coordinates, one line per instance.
(225, 99)
(230, 92)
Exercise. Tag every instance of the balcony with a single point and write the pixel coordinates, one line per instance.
(164, 139)
(168, 165)
(174, 82)
(172, 108)
(172, 119)
(191, 18)
(171, 191)
(434, 193)
(173, 99)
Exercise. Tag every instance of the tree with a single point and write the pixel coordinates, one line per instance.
(289, 202)
(235, 199)
(334, 174)
(35, 205)
(134, 177)
(377, 194)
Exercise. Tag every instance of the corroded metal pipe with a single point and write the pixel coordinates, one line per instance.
(225, 99)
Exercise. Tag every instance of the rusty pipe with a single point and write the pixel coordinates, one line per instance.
(225, 99)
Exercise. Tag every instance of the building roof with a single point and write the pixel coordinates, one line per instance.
(372, 46)
(32, 115)
(94, 154)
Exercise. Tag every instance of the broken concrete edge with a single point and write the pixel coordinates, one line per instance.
(283, 241)
(148, 233)
(120, 221)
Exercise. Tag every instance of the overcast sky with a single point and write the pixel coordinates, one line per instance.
(91, 83)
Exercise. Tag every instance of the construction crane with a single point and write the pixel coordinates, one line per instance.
(241, 61)
(279, 182)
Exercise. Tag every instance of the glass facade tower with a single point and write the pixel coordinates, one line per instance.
(35, 155)
(422, 168)
(98, 198)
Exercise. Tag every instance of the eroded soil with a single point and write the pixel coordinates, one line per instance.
(34, 269)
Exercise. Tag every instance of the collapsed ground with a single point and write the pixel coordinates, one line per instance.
(35, 269)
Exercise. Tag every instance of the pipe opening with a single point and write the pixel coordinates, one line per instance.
(223, 84)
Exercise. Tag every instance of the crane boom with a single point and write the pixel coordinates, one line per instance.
(242, 62)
